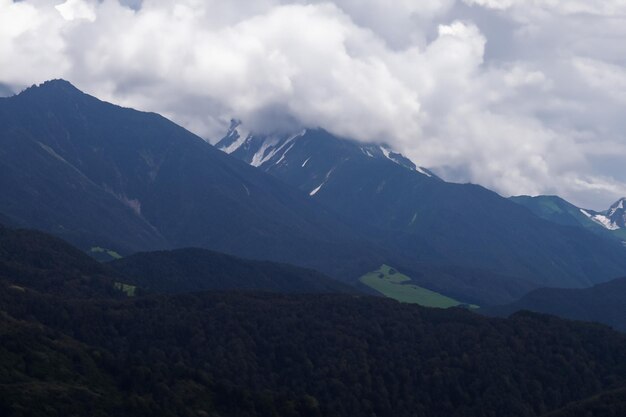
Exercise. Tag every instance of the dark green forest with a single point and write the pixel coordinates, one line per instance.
(190, 270)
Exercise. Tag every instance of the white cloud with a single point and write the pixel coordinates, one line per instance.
(77, 9)
(536, 8)
(520, 96)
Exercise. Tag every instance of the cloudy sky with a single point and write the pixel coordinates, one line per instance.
(522, 96)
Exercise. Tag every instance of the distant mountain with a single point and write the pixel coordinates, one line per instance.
(602, 303)
(614, 218)
(193, 270)
(100, 175)
(424, 218)
(116, 181)
(555, 209)
(269, 150)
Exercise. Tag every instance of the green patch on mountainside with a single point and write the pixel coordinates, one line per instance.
(104, 254)
(129, 290)
(392, 284)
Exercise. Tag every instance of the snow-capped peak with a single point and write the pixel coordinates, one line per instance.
(271, 150)
(612, 219)
(617, 206)
(386, 152)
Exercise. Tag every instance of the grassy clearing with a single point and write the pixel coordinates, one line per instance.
(126, 288)
(393, 284)
(111, 253)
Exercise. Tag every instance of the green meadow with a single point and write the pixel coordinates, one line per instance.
(126, 288)
(111, 253)
(391, 283)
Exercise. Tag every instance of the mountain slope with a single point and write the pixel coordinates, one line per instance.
(603, 303)
(32, 260)
(193, 270)
(426, 219)
(101, 175)
(609, 223)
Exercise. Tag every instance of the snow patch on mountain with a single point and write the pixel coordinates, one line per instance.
(258, 150)
(312, 193)
(605, 221)
(271, 147)
(612, 219)
(402, 160)
(315, 191)
(235, 145)
(235, 137)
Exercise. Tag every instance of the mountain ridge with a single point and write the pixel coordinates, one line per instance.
(425, 218)
(610, 222)
(603, 303)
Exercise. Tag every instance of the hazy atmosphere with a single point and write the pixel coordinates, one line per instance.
(524, 97)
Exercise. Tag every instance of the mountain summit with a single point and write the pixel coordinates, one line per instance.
(612, 219)
(267, 150)
(616, 215)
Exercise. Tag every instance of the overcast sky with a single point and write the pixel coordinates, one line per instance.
(522, 96)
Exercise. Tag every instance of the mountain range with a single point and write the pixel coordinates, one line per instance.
(424, 218)
(603, 303)
(117, 180)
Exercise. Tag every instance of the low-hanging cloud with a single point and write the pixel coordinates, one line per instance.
(520, 96)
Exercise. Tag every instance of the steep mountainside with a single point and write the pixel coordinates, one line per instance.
(101, 175)
(609, 223)
(425, 218)
(192, 270)
(603, 303)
